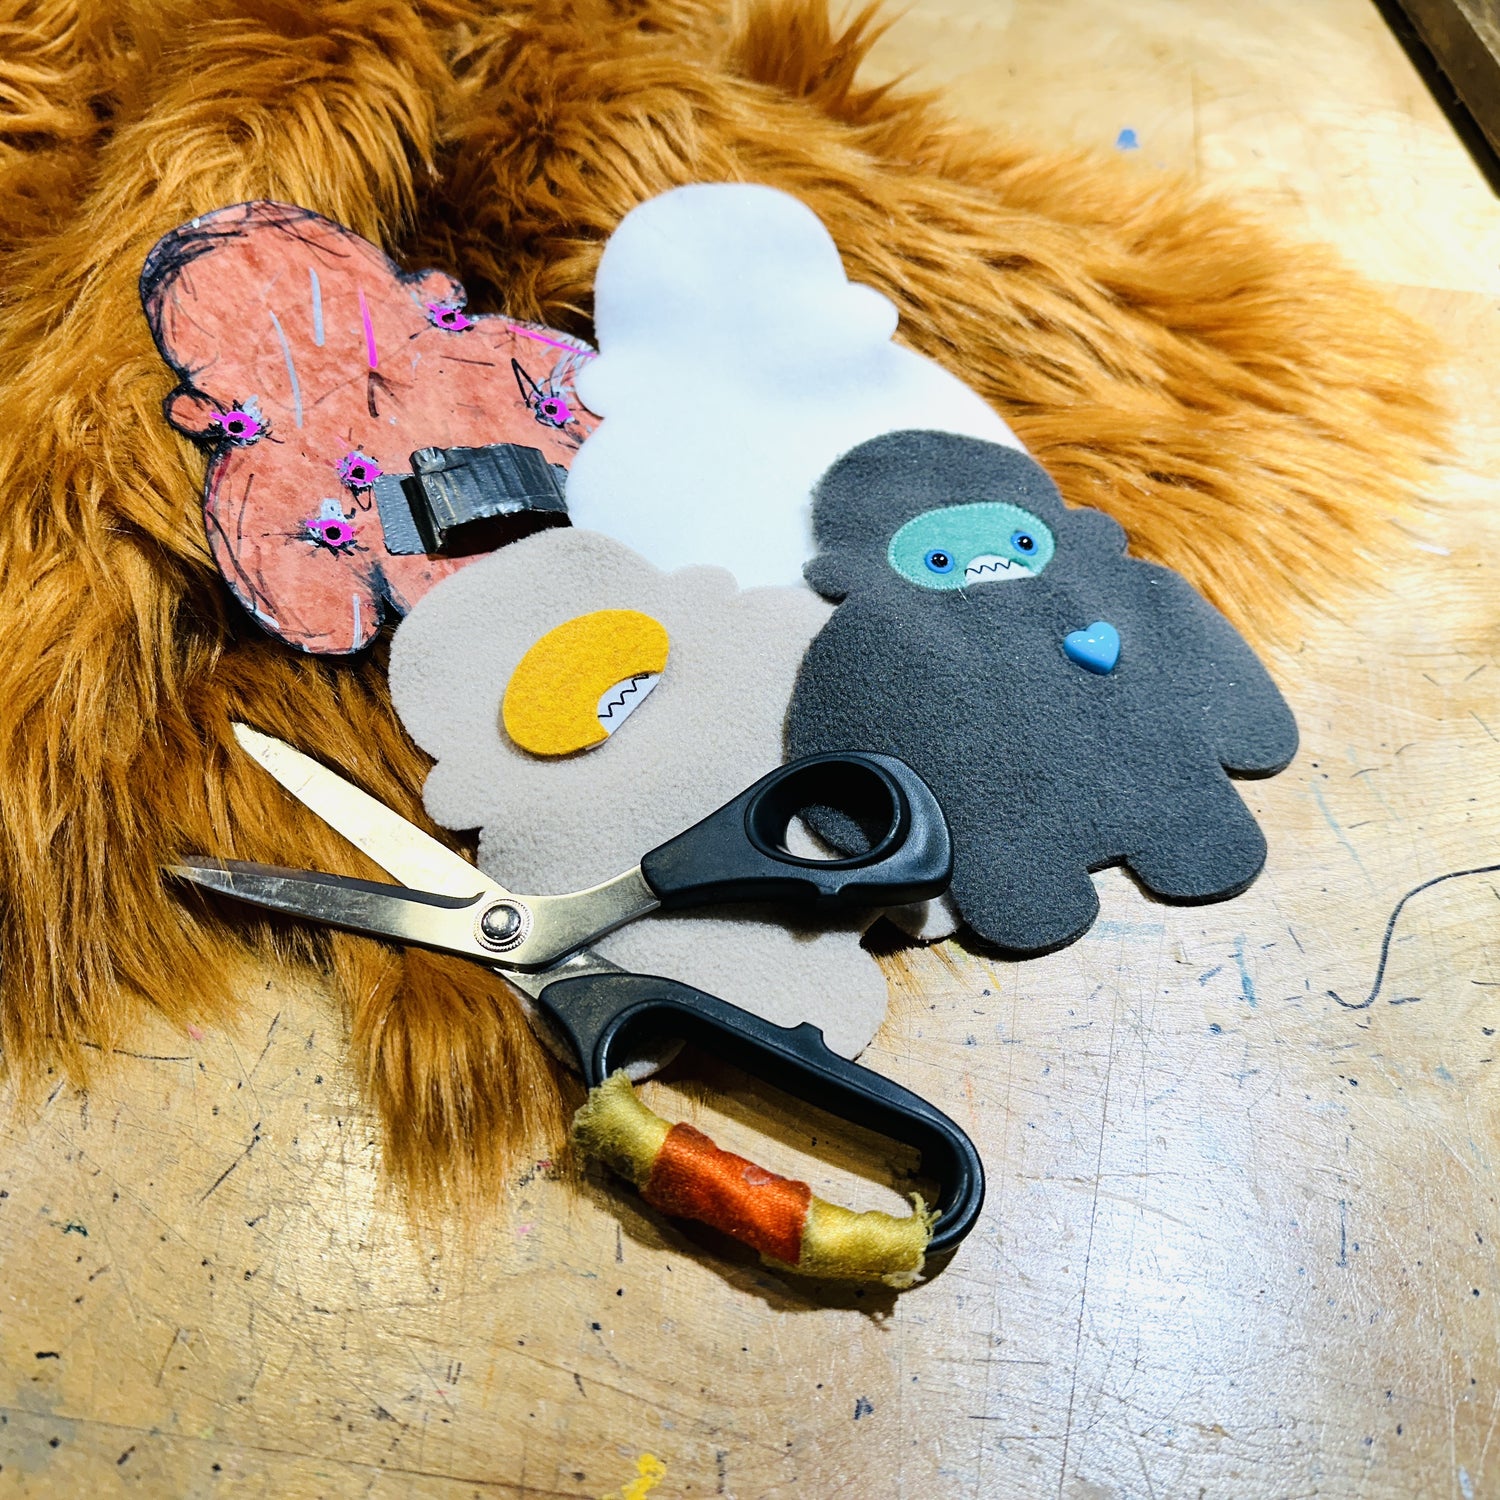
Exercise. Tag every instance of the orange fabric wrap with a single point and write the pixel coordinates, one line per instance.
(692, 1178)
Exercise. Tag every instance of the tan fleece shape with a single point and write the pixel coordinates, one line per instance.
(712, 726)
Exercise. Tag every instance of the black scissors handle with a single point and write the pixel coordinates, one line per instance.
(739, 853)
(608, 1016)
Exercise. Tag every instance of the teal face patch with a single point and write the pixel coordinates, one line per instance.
(960, 546)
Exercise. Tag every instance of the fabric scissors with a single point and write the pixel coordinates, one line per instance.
(604, 1014)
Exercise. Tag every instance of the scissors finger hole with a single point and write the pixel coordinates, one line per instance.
(853, 803)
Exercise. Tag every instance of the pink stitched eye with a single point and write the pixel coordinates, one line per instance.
(332, 532)
(358, 470)
(238, 424)
(448, 315)
(555, 410)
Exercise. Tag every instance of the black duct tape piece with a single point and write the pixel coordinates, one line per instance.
(453, 499)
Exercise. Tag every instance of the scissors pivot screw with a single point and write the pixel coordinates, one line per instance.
(503, 925)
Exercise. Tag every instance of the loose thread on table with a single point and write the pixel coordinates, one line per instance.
(1390, 930)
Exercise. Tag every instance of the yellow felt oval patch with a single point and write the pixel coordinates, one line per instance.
(579, 682)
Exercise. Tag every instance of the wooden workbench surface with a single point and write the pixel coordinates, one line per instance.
(1240, 1239)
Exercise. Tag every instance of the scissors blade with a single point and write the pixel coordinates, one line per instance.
(554, 925)
(446, 923)
(400, 848)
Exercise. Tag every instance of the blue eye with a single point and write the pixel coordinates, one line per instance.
(1023, 541)
(939, 561)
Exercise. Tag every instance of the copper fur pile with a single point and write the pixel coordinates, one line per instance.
(1249, 411)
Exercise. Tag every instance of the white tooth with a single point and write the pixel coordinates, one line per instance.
(991, 568)
(623, 699)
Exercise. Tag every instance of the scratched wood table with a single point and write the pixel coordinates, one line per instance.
(1241, 1235)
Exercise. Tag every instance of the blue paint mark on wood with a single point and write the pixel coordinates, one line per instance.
(1332, 822)
(1127, 929)
(1247, 984)
(1127, 140)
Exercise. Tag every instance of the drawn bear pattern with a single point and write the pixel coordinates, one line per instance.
(311, 364)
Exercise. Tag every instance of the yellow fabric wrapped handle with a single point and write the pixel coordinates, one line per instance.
(680, 1171)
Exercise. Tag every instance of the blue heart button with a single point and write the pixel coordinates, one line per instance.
(1096, 649)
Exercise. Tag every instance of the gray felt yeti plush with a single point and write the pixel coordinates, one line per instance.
(1070, 706)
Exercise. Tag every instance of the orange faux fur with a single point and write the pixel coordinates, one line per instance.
(128, 664)
(1250, 412)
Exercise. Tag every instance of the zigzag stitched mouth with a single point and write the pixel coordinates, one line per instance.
(991, 568)
(622, 700)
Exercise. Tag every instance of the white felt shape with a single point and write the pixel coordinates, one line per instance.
(737, 362)
(927, 921)
(711, 726)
